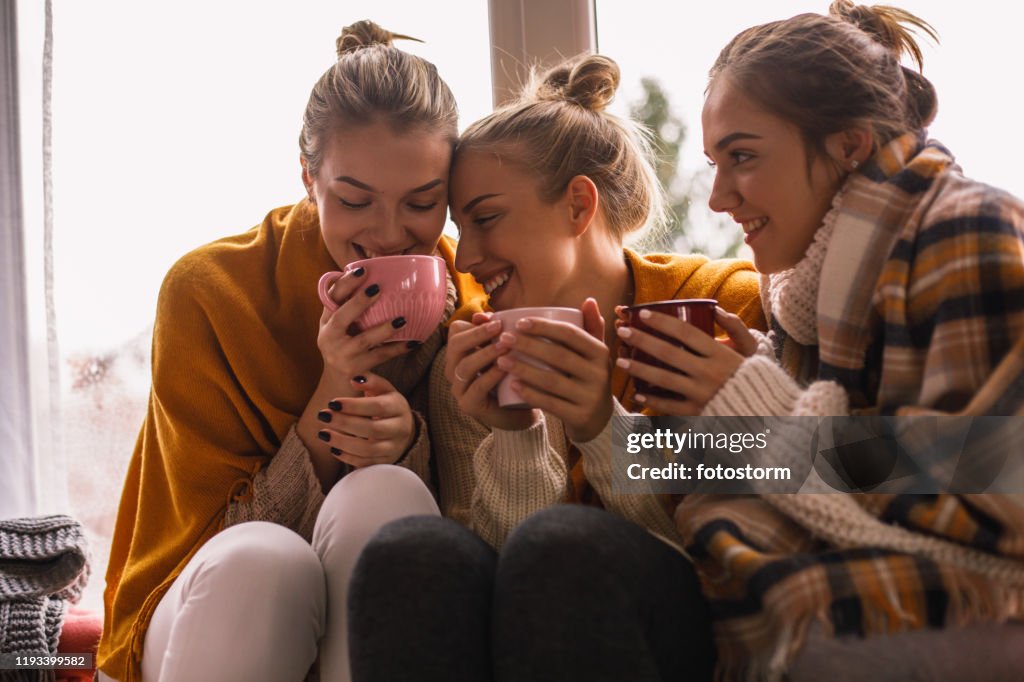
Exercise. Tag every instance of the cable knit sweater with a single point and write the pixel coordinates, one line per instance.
(235, 361)
(491, 480)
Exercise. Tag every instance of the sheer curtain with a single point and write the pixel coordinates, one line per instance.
(17, 479)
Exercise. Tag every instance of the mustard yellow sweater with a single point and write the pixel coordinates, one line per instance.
(235, 361)
(491, 480)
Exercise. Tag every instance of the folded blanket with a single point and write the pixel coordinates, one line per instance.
(44, 564)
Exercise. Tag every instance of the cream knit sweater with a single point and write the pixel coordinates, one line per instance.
(490, 480)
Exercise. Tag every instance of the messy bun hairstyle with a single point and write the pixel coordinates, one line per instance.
(558, 128)
(829, 73)
(371, 81)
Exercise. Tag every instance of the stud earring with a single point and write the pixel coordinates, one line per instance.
(854, 164)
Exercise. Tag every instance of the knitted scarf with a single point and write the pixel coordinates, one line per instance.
(43, 564)
(918, 310)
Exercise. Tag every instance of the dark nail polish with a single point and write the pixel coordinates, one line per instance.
(335, 451)
(359, 379)
(413, 344)
(372, 289)
(323, 435)
(323, 415)
(398, 322)
(359, 272)
(335, 405)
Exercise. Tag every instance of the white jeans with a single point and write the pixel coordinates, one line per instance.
(256, 600)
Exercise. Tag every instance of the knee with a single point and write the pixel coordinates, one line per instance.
(569, 535)
(381, 490)
(262, 558)
(416, 547)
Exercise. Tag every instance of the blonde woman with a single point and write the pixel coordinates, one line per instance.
(544, 192)
(238, 525)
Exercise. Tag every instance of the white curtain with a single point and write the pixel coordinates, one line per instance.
(17, 468)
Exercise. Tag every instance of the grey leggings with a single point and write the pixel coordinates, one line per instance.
(576, 593)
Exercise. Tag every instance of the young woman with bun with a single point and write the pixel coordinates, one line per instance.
(894, 286)
(238, 523)
(544, 192)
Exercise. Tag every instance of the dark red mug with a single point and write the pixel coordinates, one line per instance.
(700, 312)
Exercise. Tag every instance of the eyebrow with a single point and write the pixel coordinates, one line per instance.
(362, 185)
(732, 137)
(477, 200)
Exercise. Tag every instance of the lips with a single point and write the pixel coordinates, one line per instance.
(493, 282)
(753, 228)
(365, 252)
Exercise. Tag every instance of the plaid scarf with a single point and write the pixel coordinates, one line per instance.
(941, 331)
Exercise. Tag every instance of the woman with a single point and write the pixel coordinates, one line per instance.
(544, 192)
(239, 466)
(893, 285)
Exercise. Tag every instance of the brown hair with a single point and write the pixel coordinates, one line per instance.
(558, 128)
(373, 80)
(829, 73)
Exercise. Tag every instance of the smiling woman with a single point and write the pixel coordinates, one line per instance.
(268, 406)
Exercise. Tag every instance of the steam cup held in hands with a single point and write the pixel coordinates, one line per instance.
(413, 287)
(508, 396)
(700, 312)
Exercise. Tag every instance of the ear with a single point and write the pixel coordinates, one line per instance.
(582, 197)
(307, 179)
(851, 147)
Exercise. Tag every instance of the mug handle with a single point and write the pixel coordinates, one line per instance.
(322, 287)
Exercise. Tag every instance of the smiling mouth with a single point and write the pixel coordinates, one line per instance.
(496, 282)
(369, 253)
(754, 225)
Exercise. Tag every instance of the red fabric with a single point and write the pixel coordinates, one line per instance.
(80, 634)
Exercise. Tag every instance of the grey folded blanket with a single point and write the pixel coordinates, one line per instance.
(44, 563)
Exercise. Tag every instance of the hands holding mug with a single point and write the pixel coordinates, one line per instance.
(677, 364)
(521, 347)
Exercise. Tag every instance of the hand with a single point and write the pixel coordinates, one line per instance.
(375, 428)
(579, 391)
(469, 367)
(347, 353)
(703, 364)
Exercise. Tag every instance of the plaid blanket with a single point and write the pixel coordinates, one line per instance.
(920, 311)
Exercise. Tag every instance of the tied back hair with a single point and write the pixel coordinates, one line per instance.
(828, 73)
(372, 81)
(559, 128)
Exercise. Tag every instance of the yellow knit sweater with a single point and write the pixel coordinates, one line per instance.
(235, 361)
(492, 479)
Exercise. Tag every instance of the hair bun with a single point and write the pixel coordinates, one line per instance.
(589, 81)
(366, 33)
(891, 27)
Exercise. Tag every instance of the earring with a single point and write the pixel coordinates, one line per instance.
(854, 164)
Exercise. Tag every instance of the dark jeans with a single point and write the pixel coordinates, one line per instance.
(577, 593)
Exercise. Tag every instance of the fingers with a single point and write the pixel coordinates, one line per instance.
(463, 340)
(743, 341)
(675, 356)
(542, 379)
(553, 355)
(675, 328)
(662, 378)
(568, 335)
(669, 407)
(340, 288)
(338, 322)
(593, 322)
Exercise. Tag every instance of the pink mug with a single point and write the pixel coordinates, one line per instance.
(413, 287)
(508, 396)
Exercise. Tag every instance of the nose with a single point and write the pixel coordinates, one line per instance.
(724, 196)
(468, 253)
(389, 233)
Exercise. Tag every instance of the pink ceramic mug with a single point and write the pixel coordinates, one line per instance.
(508, 396)
(413, 287)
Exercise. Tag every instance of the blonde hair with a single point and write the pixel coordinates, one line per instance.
(829, 73)
(373, 80)
(558, 128)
